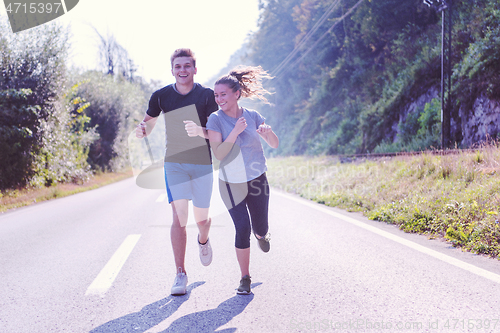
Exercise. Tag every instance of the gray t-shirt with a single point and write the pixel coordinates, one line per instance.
(246, 160)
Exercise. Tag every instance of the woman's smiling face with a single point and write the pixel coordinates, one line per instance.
(225, 97)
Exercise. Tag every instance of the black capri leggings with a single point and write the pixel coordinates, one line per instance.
(242, 198)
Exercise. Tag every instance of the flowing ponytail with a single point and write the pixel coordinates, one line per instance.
(248, 80)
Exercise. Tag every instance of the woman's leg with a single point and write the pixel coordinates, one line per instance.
(234, 197)
(243, 256)
(258, 205)
(241, 220)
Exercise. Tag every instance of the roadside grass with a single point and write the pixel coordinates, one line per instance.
(24, 197)
(455, 197)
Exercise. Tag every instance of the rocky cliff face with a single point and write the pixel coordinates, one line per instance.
(416, 106)
(481, 123)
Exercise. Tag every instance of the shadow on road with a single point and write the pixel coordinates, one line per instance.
(209, 320)
(149, 316)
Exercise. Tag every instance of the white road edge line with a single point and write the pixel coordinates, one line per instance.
(108, 274)
(438, 255)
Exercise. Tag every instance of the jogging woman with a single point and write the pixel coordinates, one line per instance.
(234, 133)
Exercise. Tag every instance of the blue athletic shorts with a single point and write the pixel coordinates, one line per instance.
(189, 181)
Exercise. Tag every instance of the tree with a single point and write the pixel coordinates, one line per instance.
(114, 58)
(32, 78)
(115, 107)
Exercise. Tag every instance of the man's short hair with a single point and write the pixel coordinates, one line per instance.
(184, 52)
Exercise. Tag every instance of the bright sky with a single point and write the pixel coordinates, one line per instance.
(150, 30)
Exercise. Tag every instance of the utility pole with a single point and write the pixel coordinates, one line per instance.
(446, 24)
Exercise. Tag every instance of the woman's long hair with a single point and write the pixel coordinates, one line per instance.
(248, 80)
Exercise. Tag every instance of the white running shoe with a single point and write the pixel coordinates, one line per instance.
(205, 252)
(180, 284)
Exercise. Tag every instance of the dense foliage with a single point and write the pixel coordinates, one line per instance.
(115, 107)
(31, 83)
(58, 127)
(351, 76)
(357, 76)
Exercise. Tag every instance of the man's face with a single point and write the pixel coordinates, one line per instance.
(183, 70)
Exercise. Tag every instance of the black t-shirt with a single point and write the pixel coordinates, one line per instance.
(196, 106)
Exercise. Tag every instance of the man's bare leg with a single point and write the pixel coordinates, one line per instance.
(203, 223)
(178, 232)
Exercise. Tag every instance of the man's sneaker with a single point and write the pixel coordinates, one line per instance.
(205, 252)
(244, 288)
(264, 242)
(180, 284)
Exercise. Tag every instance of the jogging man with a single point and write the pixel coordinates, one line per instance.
(186, 106)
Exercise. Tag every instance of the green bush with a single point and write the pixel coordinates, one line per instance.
(455, 197)
(18, 137)
(114, 108)
(32, 76)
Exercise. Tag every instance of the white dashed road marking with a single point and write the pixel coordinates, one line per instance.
(108, 274)
(161, 198)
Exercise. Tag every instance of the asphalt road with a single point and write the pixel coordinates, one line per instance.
(101, 261)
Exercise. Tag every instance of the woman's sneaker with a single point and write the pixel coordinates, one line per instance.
(180, 284)
(244, 288)
(264, 242)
